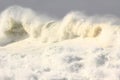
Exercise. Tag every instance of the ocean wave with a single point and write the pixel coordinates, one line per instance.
(18, 23)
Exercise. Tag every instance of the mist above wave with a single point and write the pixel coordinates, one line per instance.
(18, 23)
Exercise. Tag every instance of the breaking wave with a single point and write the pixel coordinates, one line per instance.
(18, 23)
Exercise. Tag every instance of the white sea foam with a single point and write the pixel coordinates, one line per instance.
(86, 48)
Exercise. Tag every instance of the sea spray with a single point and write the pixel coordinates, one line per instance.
(18, 23)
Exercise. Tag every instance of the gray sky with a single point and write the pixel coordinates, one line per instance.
(59, 8)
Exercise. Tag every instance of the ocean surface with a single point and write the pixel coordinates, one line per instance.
(34, 46)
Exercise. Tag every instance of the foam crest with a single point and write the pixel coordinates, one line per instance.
(17, 23)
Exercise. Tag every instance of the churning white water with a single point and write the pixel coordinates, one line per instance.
(18, 23)
(77, 47)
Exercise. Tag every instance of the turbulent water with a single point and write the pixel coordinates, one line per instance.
(34, 46)
(18, 23)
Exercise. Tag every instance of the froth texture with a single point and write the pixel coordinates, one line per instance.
(76, 47)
